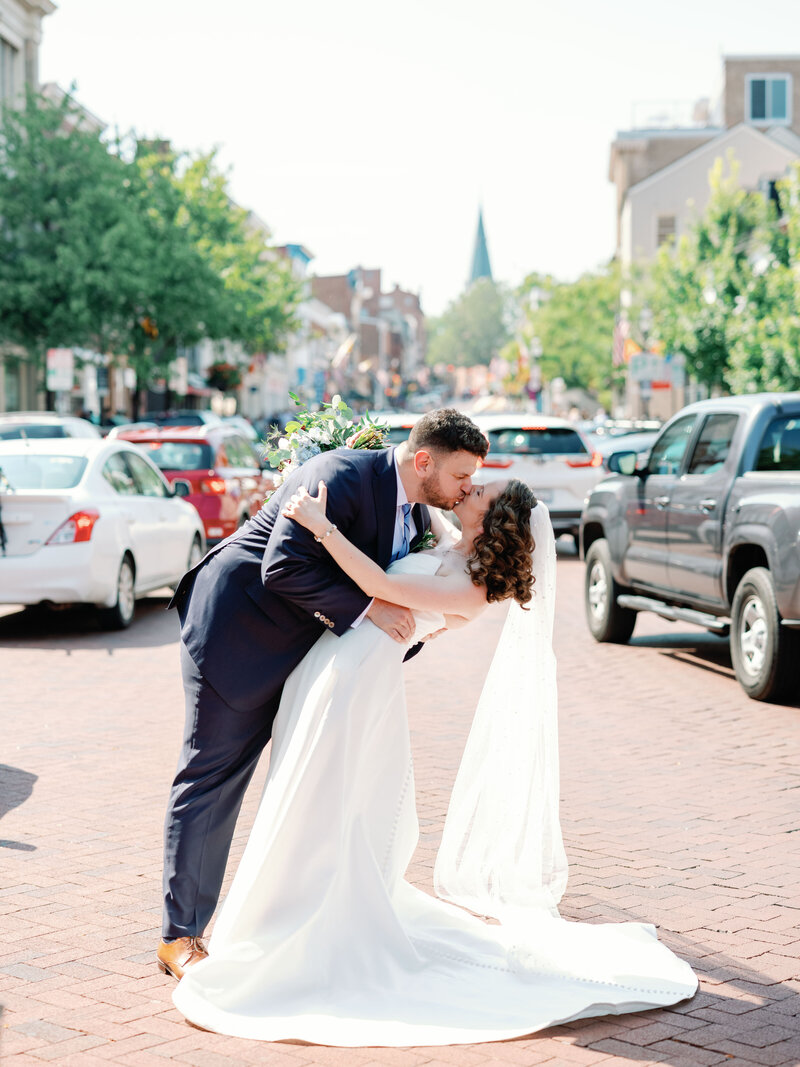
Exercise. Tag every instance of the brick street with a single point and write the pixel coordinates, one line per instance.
(680, 806)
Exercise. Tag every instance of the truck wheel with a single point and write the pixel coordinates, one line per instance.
(607, 621)
(763, 652)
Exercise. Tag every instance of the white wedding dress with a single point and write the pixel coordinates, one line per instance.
(321, 939)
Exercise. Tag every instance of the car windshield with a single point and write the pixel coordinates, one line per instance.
(180, 455)
(41, 472)
(32, 430)
(537, 441)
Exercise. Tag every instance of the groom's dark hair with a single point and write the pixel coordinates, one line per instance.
(447, 430)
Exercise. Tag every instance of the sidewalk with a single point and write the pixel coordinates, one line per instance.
(681, 806)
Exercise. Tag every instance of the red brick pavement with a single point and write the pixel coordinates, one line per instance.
(681, 801)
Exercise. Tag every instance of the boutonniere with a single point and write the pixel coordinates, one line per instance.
(428, 540)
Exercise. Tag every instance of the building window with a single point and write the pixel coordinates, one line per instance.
(8, 70)
(769, 98)
(665, 229)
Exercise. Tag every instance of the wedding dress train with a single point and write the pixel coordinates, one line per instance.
(321, 938)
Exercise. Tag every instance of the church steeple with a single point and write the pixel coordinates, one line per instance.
(481, 267)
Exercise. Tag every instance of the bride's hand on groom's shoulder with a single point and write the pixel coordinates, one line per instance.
(307, 510)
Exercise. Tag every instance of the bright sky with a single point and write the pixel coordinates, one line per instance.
(370, 131)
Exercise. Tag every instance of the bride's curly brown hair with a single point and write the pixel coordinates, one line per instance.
(501, 560)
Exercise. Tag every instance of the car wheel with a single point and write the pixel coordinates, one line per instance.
(121, 615)
(763, 652)
(195, 554)
(607, 621)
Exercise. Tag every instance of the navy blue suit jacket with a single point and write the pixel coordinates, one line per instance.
(255, 605)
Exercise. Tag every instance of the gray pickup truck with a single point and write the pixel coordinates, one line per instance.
(707, 530)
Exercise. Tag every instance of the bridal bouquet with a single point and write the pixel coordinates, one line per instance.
(312, 432)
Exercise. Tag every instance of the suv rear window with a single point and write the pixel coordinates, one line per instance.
(780, 448)
(179, 455)
(41, 472)
(537, 441)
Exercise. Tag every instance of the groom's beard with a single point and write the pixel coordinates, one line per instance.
(433, 495)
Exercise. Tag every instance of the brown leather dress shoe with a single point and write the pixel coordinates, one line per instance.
(175, 956)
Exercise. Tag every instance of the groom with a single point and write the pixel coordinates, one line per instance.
(249, 613)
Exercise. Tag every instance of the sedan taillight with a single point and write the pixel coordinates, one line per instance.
(216, 486)
(78, 527)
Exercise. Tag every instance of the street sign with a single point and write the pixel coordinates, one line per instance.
(661, 372)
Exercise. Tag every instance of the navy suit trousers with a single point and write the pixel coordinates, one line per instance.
(220, 751)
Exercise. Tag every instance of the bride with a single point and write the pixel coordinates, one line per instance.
(321, 938)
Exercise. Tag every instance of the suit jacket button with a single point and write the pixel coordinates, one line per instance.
(316, 615)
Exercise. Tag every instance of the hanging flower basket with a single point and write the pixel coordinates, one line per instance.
(224, 376)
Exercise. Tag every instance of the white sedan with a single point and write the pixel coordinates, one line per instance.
(91, 522)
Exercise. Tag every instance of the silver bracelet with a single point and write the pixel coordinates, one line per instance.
(327, 533)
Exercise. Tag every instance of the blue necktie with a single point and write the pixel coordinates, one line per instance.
(404, 545)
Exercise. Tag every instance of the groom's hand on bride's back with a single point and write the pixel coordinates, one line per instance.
(394, 620)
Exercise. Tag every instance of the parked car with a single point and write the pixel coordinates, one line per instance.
(90, 521)
(183, 417)
(623, 427)
(398, 423)
(244, 427)
(639, 442)
(213, 467)
(115, 431)
(547, 453)
(706, 532)
(35, 425)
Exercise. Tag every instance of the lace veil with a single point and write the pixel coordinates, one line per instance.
(502, 851)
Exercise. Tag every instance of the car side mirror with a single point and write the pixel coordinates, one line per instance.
(622, 462)
(181, 488)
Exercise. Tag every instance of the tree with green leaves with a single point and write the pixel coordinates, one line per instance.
(473, 328)
(573, 325)
(764, 331)
(698, 288)
(132, 256)
(71, 237)
(259, 293)
(210, 273)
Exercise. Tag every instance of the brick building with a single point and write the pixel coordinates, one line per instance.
(385, 350)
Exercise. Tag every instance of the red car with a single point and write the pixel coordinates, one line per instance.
(213, 467)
